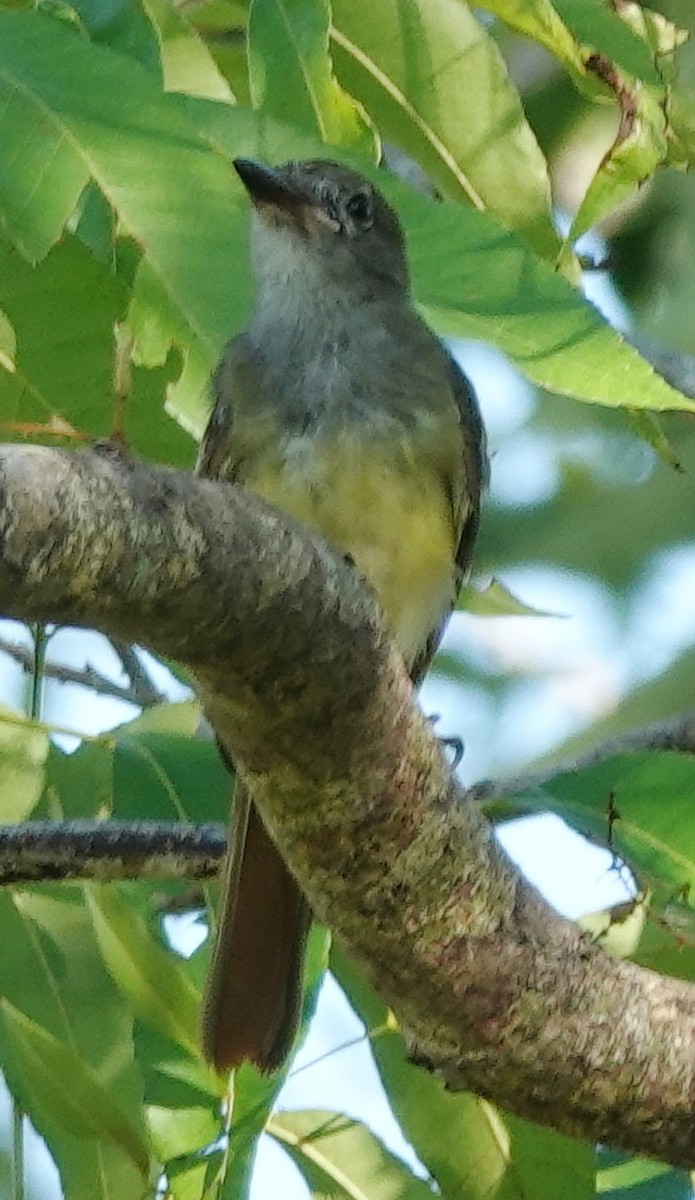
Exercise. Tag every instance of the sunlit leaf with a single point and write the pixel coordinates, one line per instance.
(187, 63)
(23, 754)
(154, 981)
(540, 20)
(628, 1178)
(619, 929)
(64, 1084)
(342, 1158)
(65, 1025)
(483, 151)
(495, 600)
(473, 280)
(290, 71)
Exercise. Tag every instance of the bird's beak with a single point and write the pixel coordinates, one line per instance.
(266, 186)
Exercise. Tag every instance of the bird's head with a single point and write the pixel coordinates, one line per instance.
(324, 219)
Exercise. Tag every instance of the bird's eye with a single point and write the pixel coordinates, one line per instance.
(359, 208)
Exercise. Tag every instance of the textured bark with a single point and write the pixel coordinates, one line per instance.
(498, 993)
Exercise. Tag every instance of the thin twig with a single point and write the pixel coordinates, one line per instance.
(49, 850)
(133, 666)
(676, 734)
(85, 676)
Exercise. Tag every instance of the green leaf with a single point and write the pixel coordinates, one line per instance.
(614, 801)
(619, 929)
(153, 980)
(148, 769)
(63, 313)
(650, 429)
(59, 1079)
(179, 1131)
(342, 1158)
(639, 147)
(540, 20)
(41, 173)
(121, 25)
(629, 52)
(8, 344)
(496, 600)
(473, 280)
(102, 116)
(71, 1016)
(169, 777)
(513, 1159)
(484, 151)
(601, 27)
(187, 62)
(290, 72)
(641, 1179)
(61, 371)
(24, 751)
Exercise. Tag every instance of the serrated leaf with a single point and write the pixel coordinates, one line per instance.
(63, 1082)
(341, 1158)
(642, 1179)
(496, 600)
(154, 981)
(290, 72)
(485, 151)
(473, 280)
(187, 63)
(618, 930)
(650, 429)
(24, 752)
(63, 312)
(107, 119)
(540, 20)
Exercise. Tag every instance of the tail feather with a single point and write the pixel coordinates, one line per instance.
(253, 997)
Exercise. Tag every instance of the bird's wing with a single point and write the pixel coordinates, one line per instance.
(215, 452)
(465, 495)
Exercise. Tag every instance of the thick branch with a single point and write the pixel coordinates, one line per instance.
(498, 992)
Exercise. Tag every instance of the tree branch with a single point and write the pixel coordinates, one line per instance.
(141, 684)
(677, 734)
(86, 676)
(498, 993)
(39, 851)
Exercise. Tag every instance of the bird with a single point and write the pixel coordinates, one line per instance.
(338, 405)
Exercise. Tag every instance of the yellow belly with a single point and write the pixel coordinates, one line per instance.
(392, 518)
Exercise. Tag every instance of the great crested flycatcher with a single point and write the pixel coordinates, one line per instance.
(338, 405)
